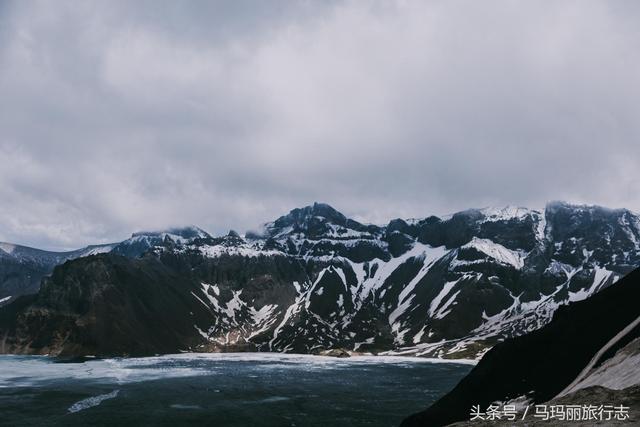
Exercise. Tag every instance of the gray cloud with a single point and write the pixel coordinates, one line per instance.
(116, 116)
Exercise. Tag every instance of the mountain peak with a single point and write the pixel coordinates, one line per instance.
(301, 216)
(313, 220)
(325, 210)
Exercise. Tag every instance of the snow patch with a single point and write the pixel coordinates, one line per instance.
(497, 252)
(446, 288)
(600, 277)
(201, 332)
(617, 373)
(442, 311)
(504, 214)
(430, 256)
(7, 247)
(418, 336)
(249, 251)
(92, 401)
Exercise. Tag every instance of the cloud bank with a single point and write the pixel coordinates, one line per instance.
(120, 116)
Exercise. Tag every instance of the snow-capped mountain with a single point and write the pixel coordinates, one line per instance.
(314, 279)
(141, 242)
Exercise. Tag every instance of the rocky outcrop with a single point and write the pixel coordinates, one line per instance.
(334, 352)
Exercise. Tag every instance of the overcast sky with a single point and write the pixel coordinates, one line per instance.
(121, 116)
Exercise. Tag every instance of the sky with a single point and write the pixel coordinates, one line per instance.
(120, 116)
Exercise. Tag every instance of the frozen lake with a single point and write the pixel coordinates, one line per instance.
(241, 389)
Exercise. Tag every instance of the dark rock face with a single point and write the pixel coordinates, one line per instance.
(111, 305)
(106, 305)
(541, 364)
(315, 279)
(18, 278)
(22, 268)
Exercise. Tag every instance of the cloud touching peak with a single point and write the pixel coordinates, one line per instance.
(118, 116)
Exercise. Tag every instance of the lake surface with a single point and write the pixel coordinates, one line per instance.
(242, 389)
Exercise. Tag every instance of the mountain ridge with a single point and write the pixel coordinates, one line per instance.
(433, 287)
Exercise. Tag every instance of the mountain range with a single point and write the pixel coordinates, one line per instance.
(313, 279)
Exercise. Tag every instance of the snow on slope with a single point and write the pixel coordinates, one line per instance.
(497, 252)
(430, 256)
(435, 303)
(507, 213)
(617, 373)
(565, 261)
(373, 275)
(216, 251)
(7, 247)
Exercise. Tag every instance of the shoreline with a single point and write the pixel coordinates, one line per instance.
(301, 357)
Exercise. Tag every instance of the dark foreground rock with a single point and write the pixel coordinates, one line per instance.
(541, 364)
(629, 397)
